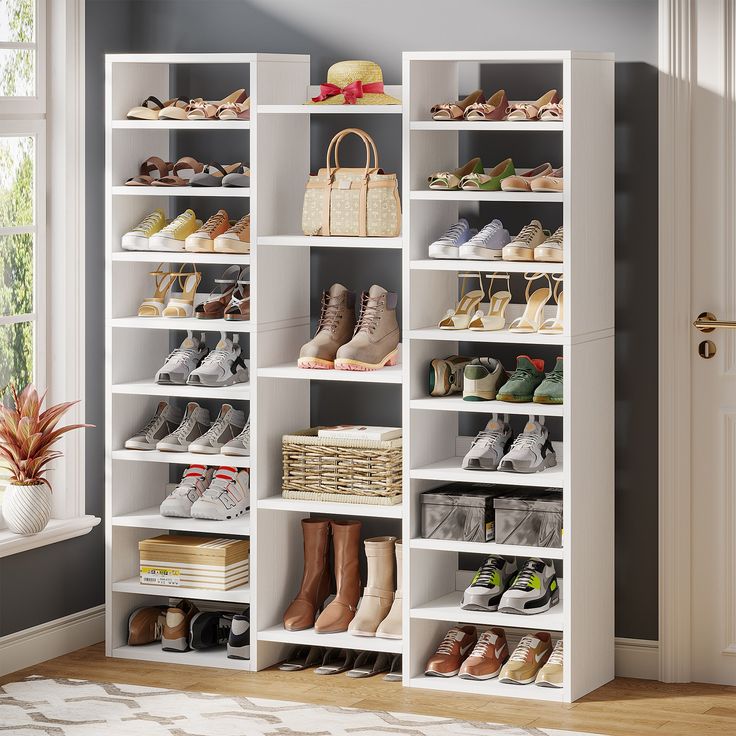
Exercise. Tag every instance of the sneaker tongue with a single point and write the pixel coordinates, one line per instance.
(534, 427)
(337, 290)
(192, 406)
(496, 223)
(225, 344)
(376, 291)
(224, 475)
(494, 424)
(190, 343)
(161, 407)
(536, 223)
(224, 409)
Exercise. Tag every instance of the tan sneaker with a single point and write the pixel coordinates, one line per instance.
(335, 329)
(236, 239)
(487, 657)
(551, 674)
(521, 248)
(452, 652)
(175, 634)
(550, 250)
(528, 658)
(376, 339)
(203, 239)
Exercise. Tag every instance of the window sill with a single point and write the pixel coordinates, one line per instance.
(57, 531)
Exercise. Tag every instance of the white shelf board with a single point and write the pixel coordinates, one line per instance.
(241, 594)
(150, 518)
(451, 264)
(389, 374)
(494, 336)
(317, 241)
(508, 57)
(482, 196)
(342, 640)
(156, 256)
(205, 58)
(455, 403)
(216, 657)
(489, 688)
(182, 323)
(488, 548)
(538, 126)
(149, 191)
(181, 458)
(180, 124)
(330, 109)
(279, 503)
(449, 470)
(238, 392)
(447, 608)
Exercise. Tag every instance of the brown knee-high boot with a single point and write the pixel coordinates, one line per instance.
(340, 611)
(315, 585)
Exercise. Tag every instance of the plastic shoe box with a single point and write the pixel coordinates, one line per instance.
(529, 519)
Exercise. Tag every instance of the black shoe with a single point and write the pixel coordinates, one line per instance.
(210, 629)
(238, 645)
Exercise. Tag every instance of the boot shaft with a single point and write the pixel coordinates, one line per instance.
(346, 547)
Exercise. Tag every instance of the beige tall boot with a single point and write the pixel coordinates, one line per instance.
(378, 594)
(390, 627)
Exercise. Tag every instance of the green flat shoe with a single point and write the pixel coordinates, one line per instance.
(490, 182)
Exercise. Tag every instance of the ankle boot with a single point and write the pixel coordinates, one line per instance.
(376, 339)
(335, 328)
(390, 627)
(315, 585)
(341, 610)
(378, 594)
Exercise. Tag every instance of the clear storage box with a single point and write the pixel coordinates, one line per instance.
(530, 519)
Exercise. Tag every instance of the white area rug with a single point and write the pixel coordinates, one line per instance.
(61, 707)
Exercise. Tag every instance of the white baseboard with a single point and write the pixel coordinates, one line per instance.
(52, 639)
(637, 658)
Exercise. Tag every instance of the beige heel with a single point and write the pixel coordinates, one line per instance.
(459, 318)
(154, 305)
(183, 306)
(531, 320)
(555, 325)
(497, 303)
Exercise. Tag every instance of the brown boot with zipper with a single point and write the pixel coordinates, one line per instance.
(315, 585)
(335, 328)
(341, 610)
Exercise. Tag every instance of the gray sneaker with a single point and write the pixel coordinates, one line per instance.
(240, 446)
(489, 446)
(482, 379)
(531, 451)
(182, 361)
(487, 244)
(195, 423)
(163, 422)
(228, 425)
(224, 366)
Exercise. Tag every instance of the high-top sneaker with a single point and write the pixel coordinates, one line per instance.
(228, 425)
(195, 423)
(238, 644)
(531, 451)
(376, 339)
(162, 423)
(226, 497)
(240, 446)
(193, 484)
(335, 328)
(182, 361)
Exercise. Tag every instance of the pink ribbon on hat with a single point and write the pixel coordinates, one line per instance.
(352, 92)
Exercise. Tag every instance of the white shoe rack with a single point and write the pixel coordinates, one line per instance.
(279, 395)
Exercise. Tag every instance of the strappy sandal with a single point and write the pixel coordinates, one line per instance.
(497, 303)
(368, 664)
(234, 110)
(213, 174)
(200, 109)
(552, 111)
(336, 661)
(490, 182)
(531, 320)
(530, 110)
(523, 182)
(555, 325)
(459, 318)
(185, 163)
(183, 305)
(450, 180)
(239, 307)
(154, 306)
(213, 307)
(145, 178)
(494, 109)
(151, 108)
(455, 110)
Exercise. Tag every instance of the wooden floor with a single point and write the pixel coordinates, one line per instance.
(624, 707)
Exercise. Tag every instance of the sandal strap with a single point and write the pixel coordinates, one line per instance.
(157, 104)
(187, 162)
(154, 163)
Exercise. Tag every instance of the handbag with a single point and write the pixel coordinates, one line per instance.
(352, 201)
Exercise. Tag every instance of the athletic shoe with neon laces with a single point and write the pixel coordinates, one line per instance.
(534, 589)
(485, 590)
(193, 484)
(139, 237)
(182, 361)
(551, 674)
(448, 244)
(487, 658)
(528, 658)
(226, 497)
(489, 446)
(531, 451)
(487, 244)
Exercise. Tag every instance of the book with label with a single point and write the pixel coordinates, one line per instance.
(360, 432)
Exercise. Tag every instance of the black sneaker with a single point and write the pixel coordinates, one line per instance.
(210, 629)
(238, 645)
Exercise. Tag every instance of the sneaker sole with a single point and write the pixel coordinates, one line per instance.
(166, 244)
(547, 683)
(546, 400)
(234, 652)
(553, 601)
(319, 364)
(517, 254)
(474, 253)
(175, 645)
(234, 249)
(547, 462)
(480, 396)
(131, 445)
(199, 245)
(467, 676)
(509, 681)
(234, 452)
(164, 447)
(202, 449)
(513, 399)
(432, 673)
(240, 377)
(547, 256)
(478, 465)
(135, 242)
(348, 364)
(442, 252)
(439, 378)
(212, 517)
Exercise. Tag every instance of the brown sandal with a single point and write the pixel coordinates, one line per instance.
(456, 110)
(494, 109)
(239, 307)
(185, 163)
(213, 307)
(151, 164)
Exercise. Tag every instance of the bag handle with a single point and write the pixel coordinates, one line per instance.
(365, 136)
(369, 146)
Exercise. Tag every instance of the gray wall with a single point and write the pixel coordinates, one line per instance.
(73, 572)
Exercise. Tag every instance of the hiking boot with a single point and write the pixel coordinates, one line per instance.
(550, 390)
(446, 375)
(335, 329)
(482, 379)
(523, 382)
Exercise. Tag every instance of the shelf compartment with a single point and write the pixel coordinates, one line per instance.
(455, 403)
(489, 688)
(500, 126)
(279, 503)
(237, 392)
(154, 256)
(240, 594)
(495, 336)
(389, 374)
(343, 640)
(125, 191)
(180, 124)
(488, 548)
(317, 241)
(216, 657)
(181, 458)
(182, 323)
(449, 470)
(451, 264)
(481, 196)
(150, 518)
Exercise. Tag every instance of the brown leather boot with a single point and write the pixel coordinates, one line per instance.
(341, 610)
(335, 328)
(315, 585)
(376, 339)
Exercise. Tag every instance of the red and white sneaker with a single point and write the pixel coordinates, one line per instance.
(193, 484)
(227, 497)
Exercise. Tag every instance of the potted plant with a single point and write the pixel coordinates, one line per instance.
(27, 435)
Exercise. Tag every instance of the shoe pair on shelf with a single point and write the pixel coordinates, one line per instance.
(462, 241)
(187, 171)
(207, 493)
(534, 243)
(341, 343)
(195, 364)
(473, 177)
(182, 627)
(236, 106)
(329, 661)
(170, 430)
(497, 108)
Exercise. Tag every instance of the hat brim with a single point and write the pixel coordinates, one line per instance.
(366, 99)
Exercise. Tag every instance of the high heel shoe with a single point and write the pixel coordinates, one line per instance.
(459, 318)
(531, 320)
(183, 305)
(450, 180)
(153, 306)
(497, 303)
(555, 325)
(456, 110)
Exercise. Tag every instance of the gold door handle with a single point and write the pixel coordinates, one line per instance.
(707, 322)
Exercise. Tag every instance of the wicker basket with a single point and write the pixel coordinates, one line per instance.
(341, 470)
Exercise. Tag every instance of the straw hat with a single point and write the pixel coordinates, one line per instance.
(354, 82)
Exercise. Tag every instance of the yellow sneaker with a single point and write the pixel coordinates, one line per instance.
(172, 236)
(551, 674)
(528, 658)
(138, 237)
(236, 239)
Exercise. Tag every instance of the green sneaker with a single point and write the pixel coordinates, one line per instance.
(550, 390)
(523, 381)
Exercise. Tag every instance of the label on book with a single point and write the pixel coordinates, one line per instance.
(359, 432)
(160, 576)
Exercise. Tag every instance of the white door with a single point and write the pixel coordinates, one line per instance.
(713, 393)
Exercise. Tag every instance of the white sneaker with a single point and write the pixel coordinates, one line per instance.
(182, 361)
(138, 238)
(164, 421)
(224, 366)
(227, 497)
(193, 484)
(447, 245)
(240, 445)
(195, 423)
(228, 425)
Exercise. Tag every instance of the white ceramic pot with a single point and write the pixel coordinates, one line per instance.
(27, 509)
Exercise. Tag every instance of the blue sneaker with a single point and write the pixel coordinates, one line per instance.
(487, 245)
(447, 246)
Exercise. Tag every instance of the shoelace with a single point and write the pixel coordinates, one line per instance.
(147, 222)
(220, 357)
(454, 232)
(370, 310)
(151, 424)
(485, 232)
(448, 642)
(175, 224)
(185, 427)
(244, 436)
(481, 647)
(557, 656)
(526, 441)
(185, 355)
(556, 237)
(522, 652)
(524, 577)
(490, 436)
(213, 222)
(216, 429)
(330, 315)
(158, 629)
(486, 572)
(554, 377)
(240, 225)
(527, 233)
(521, 374)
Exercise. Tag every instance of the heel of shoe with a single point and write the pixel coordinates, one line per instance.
(393, 359)
(242, 652)
(175, 645)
